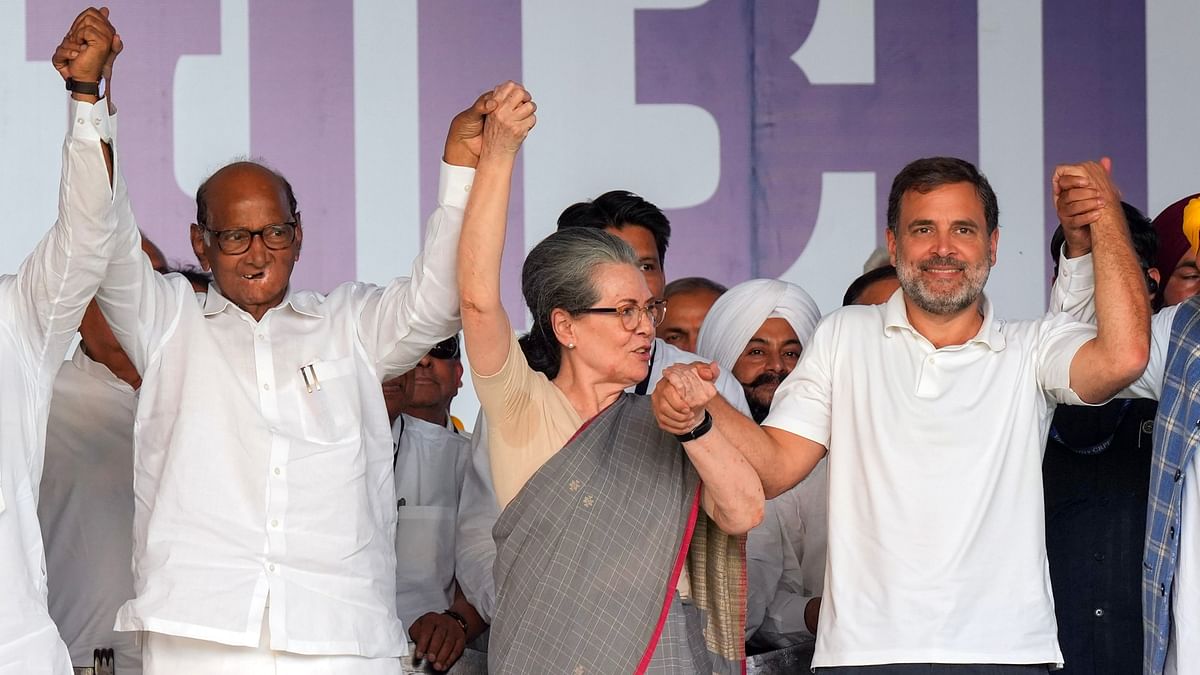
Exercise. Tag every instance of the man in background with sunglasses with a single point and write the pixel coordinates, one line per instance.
(263, 469)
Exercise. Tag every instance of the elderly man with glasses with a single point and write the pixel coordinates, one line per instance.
(263, 469)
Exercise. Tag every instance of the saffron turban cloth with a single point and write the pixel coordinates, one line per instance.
(1173, 237)
(738, 314)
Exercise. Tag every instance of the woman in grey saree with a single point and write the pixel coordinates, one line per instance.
(617, 550)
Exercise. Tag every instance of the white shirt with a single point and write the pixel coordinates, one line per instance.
(1183, 646)
(40, 309)
(475, 550)
(250, 482)
(86, 509)
(936, 528)
(785, 562)
(431, 462)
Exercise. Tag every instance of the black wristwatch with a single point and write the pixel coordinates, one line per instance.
(89, 88)
(701, 429)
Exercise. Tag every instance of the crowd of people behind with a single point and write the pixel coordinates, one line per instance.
(231, 475)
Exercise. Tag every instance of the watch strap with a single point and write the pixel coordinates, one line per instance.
(89, 88)
(703, 428)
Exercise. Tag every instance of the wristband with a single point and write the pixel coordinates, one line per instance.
(703, 428)
(458, 618)
(89, 88)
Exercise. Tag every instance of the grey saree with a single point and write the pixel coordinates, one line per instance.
(590, 551)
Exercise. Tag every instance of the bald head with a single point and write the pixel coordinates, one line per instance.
(237, 177)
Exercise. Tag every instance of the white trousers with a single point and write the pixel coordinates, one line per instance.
(172, 655)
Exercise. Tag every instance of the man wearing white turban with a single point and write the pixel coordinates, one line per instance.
(756, 331)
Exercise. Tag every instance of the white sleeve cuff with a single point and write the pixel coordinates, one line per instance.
(1079, 270)
(90, 121)
(454, 185)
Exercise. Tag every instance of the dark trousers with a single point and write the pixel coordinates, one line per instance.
(936, 669)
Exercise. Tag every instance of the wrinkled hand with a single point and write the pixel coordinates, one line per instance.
(1083, 193)
(439, 639)
(681, 395)
(507, 126)
(464, 140)
(88, 47)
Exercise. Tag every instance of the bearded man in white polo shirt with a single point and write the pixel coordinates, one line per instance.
(935, 415)
(265, 511)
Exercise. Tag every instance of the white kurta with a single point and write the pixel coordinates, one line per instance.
(431, 463)
(86, 510)
(262, 451)
(40, 310)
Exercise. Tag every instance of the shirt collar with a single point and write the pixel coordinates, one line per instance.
(215, 303)
(895, 317)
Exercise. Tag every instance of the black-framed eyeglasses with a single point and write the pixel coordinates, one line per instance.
(631, 315)
(446, 349)
(235, 241)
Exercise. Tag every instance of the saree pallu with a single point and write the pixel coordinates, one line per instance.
(590, 551)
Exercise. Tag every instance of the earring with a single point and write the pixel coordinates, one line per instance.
(570, 345)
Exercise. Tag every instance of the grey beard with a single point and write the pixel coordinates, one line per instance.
(909, 275)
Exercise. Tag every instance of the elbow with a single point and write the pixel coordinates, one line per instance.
(743, 519)
(472, 305)
(1133, 363)
(771, 489)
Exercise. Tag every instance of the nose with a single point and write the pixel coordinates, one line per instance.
(425, 362)
(944, 244)
(774, 362)
(645, 324)
(257, 254)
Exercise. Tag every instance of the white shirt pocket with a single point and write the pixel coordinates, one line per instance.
(424, 560)
(329, 399)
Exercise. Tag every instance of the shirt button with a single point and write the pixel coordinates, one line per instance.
(1099, 612)
(1178, 475)
(1171, 532)
(1162, 589)
(467, 187)
(80, 120)
(261, 337)
(266, 386)
(271, 567)
(1099, 557)
(275, 523)
(277, 471)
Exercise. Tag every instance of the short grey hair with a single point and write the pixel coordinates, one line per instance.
(559, 274)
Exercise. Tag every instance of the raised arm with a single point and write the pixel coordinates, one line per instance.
(56, 281)
(486, 329)
(1119, 352)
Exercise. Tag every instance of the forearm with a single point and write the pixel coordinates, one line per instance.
(59, 277)
(733, 493)
(1122, 303)
(484, 227)
(128, 294)
(480, 251)
(777, 470)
